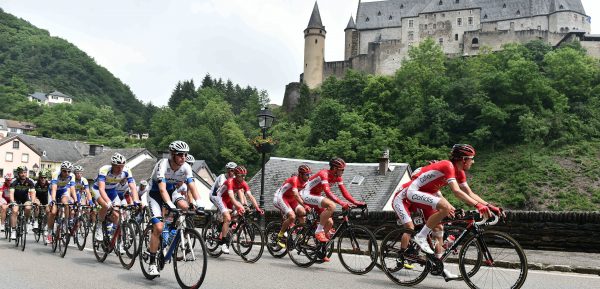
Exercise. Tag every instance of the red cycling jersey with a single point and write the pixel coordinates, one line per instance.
(321, 182)
(286, 191)
(435, 176)
(233, 185)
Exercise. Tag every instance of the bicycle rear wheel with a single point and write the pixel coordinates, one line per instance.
(190, 259)
(250, 242)
(81, 233)
(271, 234)
(406, 267)
(504, 264)
(210, 235)
(357, 249)
(18, 228)
(144, 255)
(99, 247)
(127, 246)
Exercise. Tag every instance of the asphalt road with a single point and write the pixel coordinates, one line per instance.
(37, 267)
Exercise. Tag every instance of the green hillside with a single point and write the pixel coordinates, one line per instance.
(32, 60)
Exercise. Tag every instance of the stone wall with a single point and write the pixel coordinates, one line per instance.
(291, 96)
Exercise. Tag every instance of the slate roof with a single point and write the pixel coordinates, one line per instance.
(315, 18)
(56, 150)
(375, 189)
(20, 124)
(379, 12)
(351, 24)
(58, 93)
(39, 96)
(92, 164)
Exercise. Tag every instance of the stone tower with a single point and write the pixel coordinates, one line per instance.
(314, 50)
(350, 32)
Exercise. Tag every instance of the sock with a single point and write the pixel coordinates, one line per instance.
(280, 234)
(319, 229)
(424, 232)
(152, 258)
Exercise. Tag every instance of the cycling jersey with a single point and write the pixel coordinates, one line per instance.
(221, 197)
(62, 184)
(42, 192)
(163, 173)
(111, 180)
(21, 189)
(5, 192)
(284, 199)
(80, 187)
(321, 182)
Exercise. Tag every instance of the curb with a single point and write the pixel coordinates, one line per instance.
(547, 267)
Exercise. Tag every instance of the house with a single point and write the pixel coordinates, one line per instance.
(373, 183)
(201, 168)
(13, 126)
(54, 151)
(51, 98)
(15, 152)
(135, 135)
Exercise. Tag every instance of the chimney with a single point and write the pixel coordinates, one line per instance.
(384, 162)
(96, 149)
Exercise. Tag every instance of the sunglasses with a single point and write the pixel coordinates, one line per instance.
(241, 175)
(67, 171)
(181, 154)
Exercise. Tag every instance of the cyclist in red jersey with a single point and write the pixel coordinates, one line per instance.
(423, 190)
(319, 183)
(288, 201)
(5, 198)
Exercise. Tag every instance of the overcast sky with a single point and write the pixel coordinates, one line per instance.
(152, 44)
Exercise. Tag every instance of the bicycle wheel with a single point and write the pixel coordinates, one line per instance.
(100, 249)
(80, 234)
(406, 267)
(299, 241)
(271, 234)
(144, 256)
(54, 236)
(137, 233)
(190, 260)
(357, 249)
(250, 242)
(7, 227)
(504, 262)
(65, 237)
(23, 233)
(127, 246)
(210, 235)
(379, 234)
(18, 229)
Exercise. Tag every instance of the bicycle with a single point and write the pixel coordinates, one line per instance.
(21, 228)
(81, 227)
(183, 245)
(7, 226)
(272, 234)
(116, 236)
(60, 233)
(355, 245)
(478, 259)
(41, 220)
(297, 254)
(244, 235)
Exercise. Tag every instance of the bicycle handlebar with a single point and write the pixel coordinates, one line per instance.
(484, 221)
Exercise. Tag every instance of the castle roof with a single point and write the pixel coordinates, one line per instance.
(315, 19)
(381, 14)
(351, 24)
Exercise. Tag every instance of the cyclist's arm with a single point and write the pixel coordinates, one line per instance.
(243, 200)
(133, 192)
(331, 195)
(233, 200)
(73, 193)
(252, 199)
(53, 188)
(193, 191)
(102, 190)
(88, 194)
(297, 196)
(347, 195)
(466, 198)
(465, 188)
(32, 195)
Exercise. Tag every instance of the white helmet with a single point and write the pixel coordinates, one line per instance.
(179, 146)
(78, 168)
(118, 159)
(144, 183)
(231, 165)
(66, 165)
(190, 159)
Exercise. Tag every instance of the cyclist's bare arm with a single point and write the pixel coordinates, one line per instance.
(465, 188)
(297, 196)
(252, 199)
(466, 198)
(133, 191)
(234, 201)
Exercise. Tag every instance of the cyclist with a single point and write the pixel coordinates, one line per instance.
(289, 203)
(321, 182)
(423, 190)
(82, 188)
(225, 200)
(5, 198)
(167, 172)
(22, 192)
(62, 190)
(109, 176)
(42, 190)
(142, 192)
(220, 180)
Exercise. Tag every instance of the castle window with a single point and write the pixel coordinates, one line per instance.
(443, 15)
(456, 37)
(401, 6)
(411, 35)
(539, 27)
(561, 7)
(411, 23)
(457, 1)
(562, 29)
(434, 26)
(441, 3)
(504, 6)
(367, 20)
(518, 12)
(390, 18)
(459, 21)
(475, 43)
(441, 41)
(316, 40)
(379, 13)
(470, 21)
(485, 16)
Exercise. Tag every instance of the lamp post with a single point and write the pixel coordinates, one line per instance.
(265, 120)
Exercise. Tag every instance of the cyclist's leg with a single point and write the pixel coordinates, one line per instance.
(155, 203)
(327, 214)
(180, 201)
(286, 210)
(401, 207)
(320, 202)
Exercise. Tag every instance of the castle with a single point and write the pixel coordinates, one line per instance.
(383, 32)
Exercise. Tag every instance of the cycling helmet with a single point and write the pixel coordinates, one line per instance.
(304, 169)
(45, 174)
(240, 170)
(337, 163)
(144, 183)
(78, 168)
(118, 159)
(66, 165)
(179, 146)
(190, 159)
(8, 176)
(460, 151)
(231, 165)
(21, 169)
(415, 172)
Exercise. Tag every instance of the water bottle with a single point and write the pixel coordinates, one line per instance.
(109, 229)
(449, 241)
(165, 236)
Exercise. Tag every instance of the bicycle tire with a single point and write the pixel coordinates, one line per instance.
(23, 234)
(65, 237)
(143, 256)
(98, 246)
(128, 241)
(393, 259)
(249, 236)
(210, 235)
(505, 252)
(362, 243)
(18, 228)
(80, 234)
(298, 239)
(379, 233)
(191, 250)
(271, 235)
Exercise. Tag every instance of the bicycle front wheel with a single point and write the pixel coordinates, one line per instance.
(23, 233)
(493, 260)
(405, 266)
(190, 260)
(127, 245)
(100, 250)
(250, 242)
(81, 233)
(357, 249)
(271, 234)
(65, 237)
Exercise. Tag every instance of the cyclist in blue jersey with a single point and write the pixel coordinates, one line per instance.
(62, 188)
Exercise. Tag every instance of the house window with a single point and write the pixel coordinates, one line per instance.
(411, 23)
(25, 158)
(12, 129)
(459, 21)
(470, 21)
(44, 153)
(15, 144)
(2, 126)
(358, 180)
(54, 97)
(9, 157)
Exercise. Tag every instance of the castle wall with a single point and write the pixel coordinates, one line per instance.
(528, 23)
(592, 47)
(291, 96)
(336, 68)
(568, 20)
(448, 28)
(368, 36)
(388, 56)
(496, 39)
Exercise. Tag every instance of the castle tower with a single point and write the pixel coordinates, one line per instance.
(314, 49)
(349, 45)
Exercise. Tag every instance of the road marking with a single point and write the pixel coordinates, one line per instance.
(570, 274)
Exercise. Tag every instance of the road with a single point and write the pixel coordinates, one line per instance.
(37, 267)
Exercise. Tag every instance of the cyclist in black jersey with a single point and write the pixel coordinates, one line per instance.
(21, 192)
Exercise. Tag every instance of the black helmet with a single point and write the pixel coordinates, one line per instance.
(460, 151)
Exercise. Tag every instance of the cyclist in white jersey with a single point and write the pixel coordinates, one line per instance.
(166, 174)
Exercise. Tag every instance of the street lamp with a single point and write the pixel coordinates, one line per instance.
(265, 120)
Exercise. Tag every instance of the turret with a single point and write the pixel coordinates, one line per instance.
(349, 43)
(314, 49)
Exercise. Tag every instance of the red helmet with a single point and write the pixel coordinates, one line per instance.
(337, 163)
(304, 169)
(460, 151)
(240, 170)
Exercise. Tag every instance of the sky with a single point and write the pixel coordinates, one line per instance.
(150, 45)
